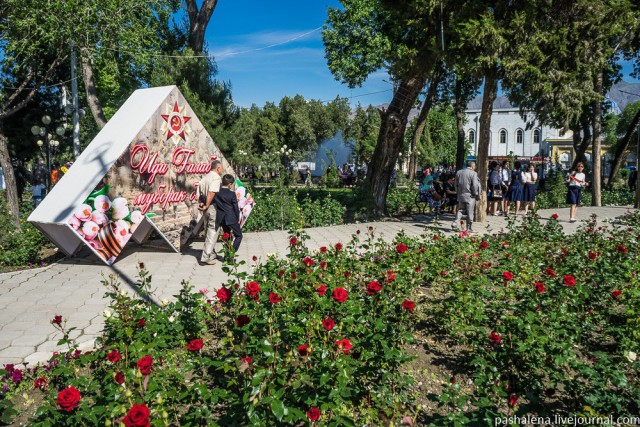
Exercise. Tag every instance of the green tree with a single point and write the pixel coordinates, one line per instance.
(628, 127)
(400, 37)
(363, 130)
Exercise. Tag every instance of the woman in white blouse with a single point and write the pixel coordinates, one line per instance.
(576, 182)
(530, 177)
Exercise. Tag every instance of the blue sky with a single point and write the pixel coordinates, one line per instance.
(238, 28)
(241, 36)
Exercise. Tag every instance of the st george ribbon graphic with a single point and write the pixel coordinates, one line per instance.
(139, 174)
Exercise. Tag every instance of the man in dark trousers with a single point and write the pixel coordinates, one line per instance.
(227, 210)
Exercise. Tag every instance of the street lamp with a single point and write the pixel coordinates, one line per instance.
(48, 142)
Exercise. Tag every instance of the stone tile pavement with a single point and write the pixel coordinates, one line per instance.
(29, 299)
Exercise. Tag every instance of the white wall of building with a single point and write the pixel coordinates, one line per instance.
(510, 122)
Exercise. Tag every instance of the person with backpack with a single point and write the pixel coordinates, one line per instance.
(495, 187)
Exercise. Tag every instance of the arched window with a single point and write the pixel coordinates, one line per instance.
(536, 136)
(472, 137)
(503, 136)
(519, 136)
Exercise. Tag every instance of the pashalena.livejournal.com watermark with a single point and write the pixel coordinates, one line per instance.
(560, 420)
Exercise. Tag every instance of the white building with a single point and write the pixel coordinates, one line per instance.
(510, 134)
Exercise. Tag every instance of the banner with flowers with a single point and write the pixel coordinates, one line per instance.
(139, 174)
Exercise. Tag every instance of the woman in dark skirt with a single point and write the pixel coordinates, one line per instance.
(515, 189)
(529, 192)
(495, 187)
(576, 182)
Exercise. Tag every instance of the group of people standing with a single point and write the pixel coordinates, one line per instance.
(507, 186)
(504, 187)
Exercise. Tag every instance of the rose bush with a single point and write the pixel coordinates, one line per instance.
(325, 337)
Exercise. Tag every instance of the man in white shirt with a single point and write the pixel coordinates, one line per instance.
(207, 189)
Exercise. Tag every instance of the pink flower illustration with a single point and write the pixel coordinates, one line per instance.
(83, 213)
(102, 203)
(90, 230)
(99, 217)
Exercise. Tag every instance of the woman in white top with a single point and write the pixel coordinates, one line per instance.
(529, 192)
(576, 182)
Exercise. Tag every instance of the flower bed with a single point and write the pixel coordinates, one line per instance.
(418, 331)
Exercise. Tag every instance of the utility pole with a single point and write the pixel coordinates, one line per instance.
(74, 100)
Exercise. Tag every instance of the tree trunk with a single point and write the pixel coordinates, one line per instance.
(198, 21)
(581, 145)
(459, 108)
(490, 91)
(622, 147)
(390, 138)
(422, 120)
(90, 88)
(10, 180)
(596, 146)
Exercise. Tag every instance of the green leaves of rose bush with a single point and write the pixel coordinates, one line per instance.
(567, 342)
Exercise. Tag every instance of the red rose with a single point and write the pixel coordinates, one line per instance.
(138, 416)
(505, 245)
(443, 273)
(40, 383)
(540, 287)
(142, 323)
(484, 245)
(57, 320)
(554, 216)
(550, 272)
(408, 305)
(308, 262)
(247, 360)
(495, 338)
(225, 236)
(328, 323)
(391, 276)
(322, 290)
(223, 294)
(144, 364)
(141, 265)
(294, 276)
(507, 275)
(373, 287)
(69, 398)
(274, 298)
(569, 280)
(254, 258)
(303, 350)
(338, 246)
(252, 288)
(622, 248)
(323, 249)
(281, 273)
(340, 294)
(323, 265)
(616, 294)
(293, 241)
(113, 356)
(345, 345)
(242, 320)
(436, 237)
(402, 248)
(418, 269)
(195, 345)
(119, 378)
(593, 255)
(347, 274)
(513, 399)
(313, 414)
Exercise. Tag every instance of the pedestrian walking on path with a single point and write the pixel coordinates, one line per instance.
(576, 182)
(468, 189)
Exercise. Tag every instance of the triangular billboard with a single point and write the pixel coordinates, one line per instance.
(139, 173)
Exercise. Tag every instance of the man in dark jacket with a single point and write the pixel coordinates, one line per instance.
(227, 210)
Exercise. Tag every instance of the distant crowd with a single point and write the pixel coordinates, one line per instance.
(35, 179)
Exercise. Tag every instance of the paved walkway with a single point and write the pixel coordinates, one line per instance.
(72, 288)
